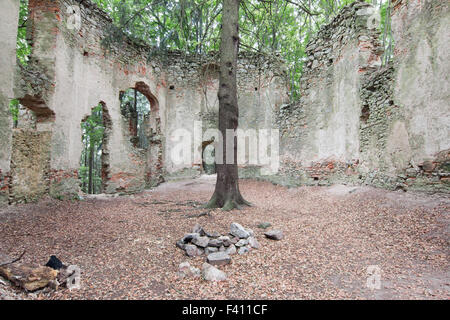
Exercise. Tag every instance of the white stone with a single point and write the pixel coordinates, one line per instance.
(274, 234)
(239, 231)
(231, 250)
(243, 250)
(218, 258)
(253, 243)
(242, 243)
(211, 273)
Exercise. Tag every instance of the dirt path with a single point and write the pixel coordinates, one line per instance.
(125, 246)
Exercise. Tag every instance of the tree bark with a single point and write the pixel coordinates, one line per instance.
(91, 164)
(85, 160)
(227, 195)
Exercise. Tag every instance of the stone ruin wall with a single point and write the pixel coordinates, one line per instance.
(192, 94)
(8, 24)
(320, 135)
(419, 153)
(356, 122)
(363, 124)
(70, 72)
(405, 119)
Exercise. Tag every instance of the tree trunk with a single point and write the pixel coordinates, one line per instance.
(91, 164)
(227, 195)
(85, 161)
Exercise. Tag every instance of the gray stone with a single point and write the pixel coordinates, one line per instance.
(234, 240)
(218, 258)
(189, 236)
(214, 234)
(211, 273)
(180, 244)
(201, 241)
(274, 234)
(242, 243)
(215, 243)
(253, 243)
(231, 250)
(243, 250)
(198, 229)
(225, 240)
(209, 250)
(191, 250)
(239, 231)
(222, 249)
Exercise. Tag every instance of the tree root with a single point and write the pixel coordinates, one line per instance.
(212, 204)
(228, 204)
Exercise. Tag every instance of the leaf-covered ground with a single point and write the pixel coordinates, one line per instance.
(125, 246)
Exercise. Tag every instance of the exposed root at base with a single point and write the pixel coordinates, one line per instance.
(228, 205)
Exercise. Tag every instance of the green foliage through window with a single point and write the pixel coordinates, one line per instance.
(135, 107)
(23, 47)
(90, 172)
(193, 26)
(14, 109)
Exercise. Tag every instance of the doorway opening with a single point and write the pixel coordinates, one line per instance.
(135, 107)
(208, 157)
(94, 162)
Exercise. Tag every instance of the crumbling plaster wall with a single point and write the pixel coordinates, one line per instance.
(320, 134)
(405, 139)
(9, 17)
(355, 123)
(78, 75)
(419, 144)
(360, 123)
(70, 72)
(192, 96)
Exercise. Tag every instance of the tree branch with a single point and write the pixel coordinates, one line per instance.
(15, 260)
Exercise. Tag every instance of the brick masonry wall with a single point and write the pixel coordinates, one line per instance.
(9, 17)
(355, 123)
(400, 142)
(320, 134)
(71, 71)
(30, 165)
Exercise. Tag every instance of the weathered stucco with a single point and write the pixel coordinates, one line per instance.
(406, 135)
(320, 134)
(360, 123)
(422, 90)
(9, 17)
(192, 96)
(30, 161)
(356, 122)
(70, 72)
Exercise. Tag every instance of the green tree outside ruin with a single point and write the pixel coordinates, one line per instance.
(283, 27)
(90, 172)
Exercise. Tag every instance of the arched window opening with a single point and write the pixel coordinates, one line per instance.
(93, 166)
(208, 157)
(14, 108)
(135, 107)
(23, 50)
